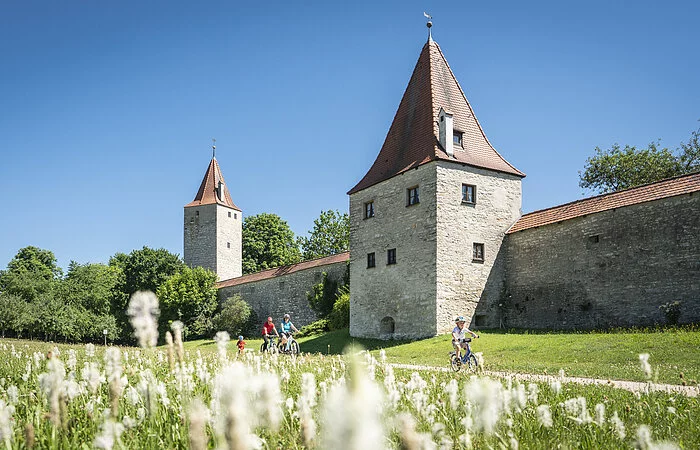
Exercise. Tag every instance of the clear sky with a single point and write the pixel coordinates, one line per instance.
(107, 109)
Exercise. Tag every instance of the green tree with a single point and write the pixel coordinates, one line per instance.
(322, 296)
(330, 235)
(619, 168)
(340, 315)
(145, 269)
(234, 316)
(268, 242)
(31, 273)
(90, 286)
(189, 296)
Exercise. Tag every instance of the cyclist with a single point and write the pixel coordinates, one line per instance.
(267, 332)
(459, 334)
(286, 328)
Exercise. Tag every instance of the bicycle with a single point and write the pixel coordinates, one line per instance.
(468, 359)
(271, 346)
(291, 347)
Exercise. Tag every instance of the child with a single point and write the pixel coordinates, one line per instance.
(241, 345)
(459, 334)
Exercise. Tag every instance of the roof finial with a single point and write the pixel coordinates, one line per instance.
(213, 148)
(429, 25)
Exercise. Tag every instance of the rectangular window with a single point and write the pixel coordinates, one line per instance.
(469, 193)
(391, 256)
(235, 216)
(229, 213)
(228, 245)
(370, 260)
(457, 137)
(412, 196)
(369, 210)
(478, 253)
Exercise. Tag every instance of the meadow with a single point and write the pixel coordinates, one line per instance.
(203, 395)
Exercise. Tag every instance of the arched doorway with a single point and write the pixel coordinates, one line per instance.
(386, 326)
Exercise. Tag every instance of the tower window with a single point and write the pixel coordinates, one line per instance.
(468, 193)
(412, 194)
(457, 138)
(228, 245)
(196, 213)
(478, 253)
(391, 256)
(369, 210)
(229, 213)
(235, 216)
(370, 260)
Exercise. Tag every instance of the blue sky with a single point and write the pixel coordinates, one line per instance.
(107, 109)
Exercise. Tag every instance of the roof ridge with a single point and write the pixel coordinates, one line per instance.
(607, 194)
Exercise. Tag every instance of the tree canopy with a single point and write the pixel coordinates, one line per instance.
(330, 235)
(619, 168)
(268, 242)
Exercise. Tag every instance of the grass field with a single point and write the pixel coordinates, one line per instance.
(612, 355)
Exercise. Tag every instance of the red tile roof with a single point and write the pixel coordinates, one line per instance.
(662, 189)
(412, 139)
(285, 270)
(207, 190)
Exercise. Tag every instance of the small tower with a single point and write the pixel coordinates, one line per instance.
(213, 227)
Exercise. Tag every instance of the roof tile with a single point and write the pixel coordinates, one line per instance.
(207, 194)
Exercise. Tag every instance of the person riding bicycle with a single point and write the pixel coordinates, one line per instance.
(459, 335)
(267, 332)
(286, 328)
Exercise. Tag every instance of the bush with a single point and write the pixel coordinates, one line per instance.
(234, 316)
(318, 327)
(340, 315)
(672, 311)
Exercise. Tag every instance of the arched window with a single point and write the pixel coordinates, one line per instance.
(386, 326)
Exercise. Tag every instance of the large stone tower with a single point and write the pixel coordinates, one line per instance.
(428, 218)
(213, 227)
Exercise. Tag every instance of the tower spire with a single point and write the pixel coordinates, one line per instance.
(213, 148)
(429, 25)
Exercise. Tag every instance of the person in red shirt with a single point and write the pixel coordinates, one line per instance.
(241, 345)
(267, 331)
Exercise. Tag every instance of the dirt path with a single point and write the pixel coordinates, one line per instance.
(633, 386)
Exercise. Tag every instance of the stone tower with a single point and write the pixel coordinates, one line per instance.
(428, 218)
(213, 227)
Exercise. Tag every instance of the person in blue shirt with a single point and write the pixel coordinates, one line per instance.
(286, 328)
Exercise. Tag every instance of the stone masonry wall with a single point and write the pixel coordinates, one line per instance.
(405, 291)
(609, 269)
(461, 281)
(229, 244)
(285, 293)
(200, 236)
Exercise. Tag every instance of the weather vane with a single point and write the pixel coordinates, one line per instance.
(429, 25)
(213, 148)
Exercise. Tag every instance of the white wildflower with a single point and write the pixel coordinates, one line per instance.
(222, 338)
(143, 312)
(12, 394)
(577, 410)
(484, 403)
(305, 404)
(452, 389)
(6, 412)
(544, 415)
(644, 362)
(555, 385)
(110, 432)
(89, 350)
(51, 384)
(92, 375)
(600, 414)
(532, 391)
(618, 425)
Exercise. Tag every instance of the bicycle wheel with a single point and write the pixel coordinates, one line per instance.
(472, 362)
(273, 348)
(262, 348)
(456, 363)
(294, 348)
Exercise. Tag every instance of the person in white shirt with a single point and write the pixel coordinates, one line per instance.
(459, 334)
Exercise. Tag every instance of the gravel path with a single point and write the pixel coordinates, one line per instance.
(633, 386)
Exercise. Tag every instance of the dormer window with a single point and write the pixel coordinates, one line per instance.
(457, 137)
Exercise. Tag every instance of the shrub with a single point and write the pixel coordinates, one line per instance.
(672, 311)
(318, 327)
(340, 315)
(234, 316)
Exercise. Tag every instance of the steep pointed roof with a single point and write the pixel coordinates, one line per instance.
(412, 139)
(207, 194)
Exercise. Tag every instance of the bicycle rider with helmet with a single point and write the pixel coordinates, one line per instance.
(459, 335)
(267, 331)
(286, 328)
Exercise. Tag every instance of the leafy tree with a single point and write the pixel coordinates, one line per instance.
(267, 242)
(619, 168)
(30, 274)
(234, 316)
(330, 235)
(91, 286)
(322, 296)
(340, 315)
(189, 296)
(144, 269)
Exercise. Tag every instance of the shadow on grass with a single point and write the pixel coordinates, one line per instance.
(334, 342)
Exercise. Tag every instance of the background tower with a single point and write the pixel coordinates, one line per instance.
(213, 227)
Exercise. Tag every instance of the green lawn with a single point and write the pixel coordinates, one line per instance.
(604, 355)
